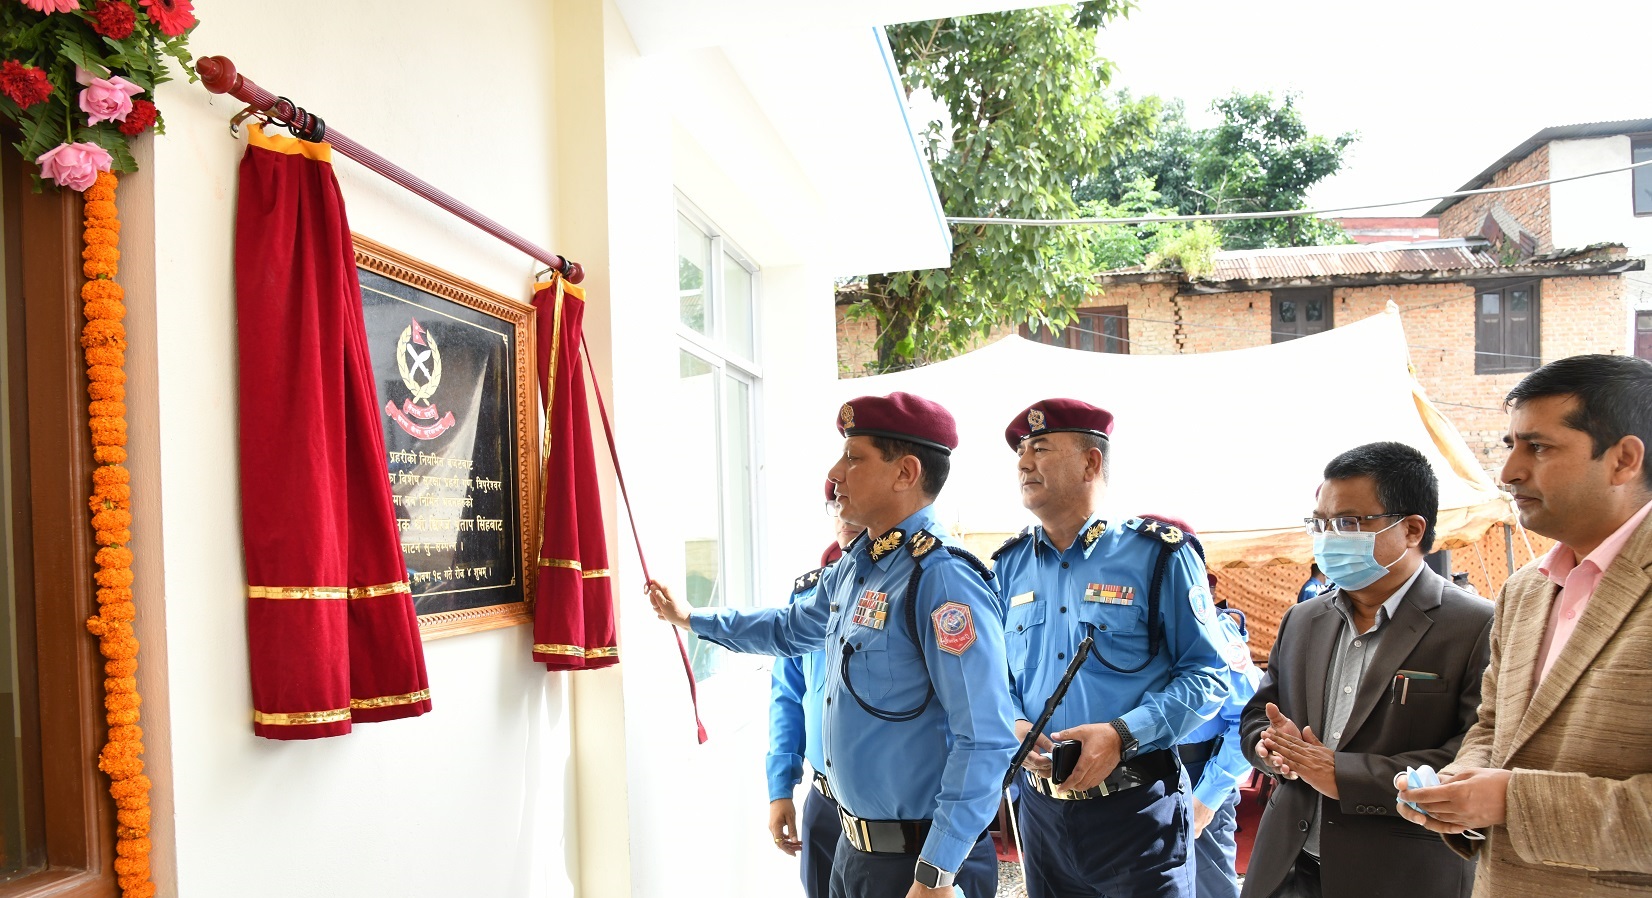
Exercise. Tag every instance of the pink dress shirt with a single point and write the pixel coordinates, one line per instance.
(1577, 581)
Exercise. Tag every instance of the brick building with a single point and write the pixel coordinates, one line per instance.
(1605, 208)
(1475, 323)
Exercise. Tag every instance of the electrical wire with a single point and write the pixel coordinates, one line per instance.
(1287, 213)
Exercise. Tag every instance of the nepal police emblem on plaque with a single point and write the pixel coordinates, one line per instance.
(418, 356)
(954, 627)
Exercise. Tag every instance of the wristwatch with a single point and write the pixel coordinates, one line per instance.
(1128, 746)
(931, 876)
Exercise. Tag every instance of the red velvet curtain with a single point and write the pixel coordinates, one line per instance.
(332, 635)
(573, 621)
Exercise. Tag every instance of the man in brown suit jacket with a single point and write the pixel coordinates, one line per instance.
(1380, 673)
(1557, 772)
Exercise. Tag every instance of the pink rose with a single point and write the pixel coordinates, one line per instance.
(51, 6)
(74, 165)
(105, 99)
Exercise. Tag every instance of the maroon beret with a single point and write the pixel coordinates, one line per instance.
(1058, 416)
(833, 552)
(899, 416)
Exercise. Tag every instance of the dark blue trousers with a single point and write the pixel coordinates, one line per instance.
(1216, 852)
(1132, 844)
(858, 874)
(821, 830)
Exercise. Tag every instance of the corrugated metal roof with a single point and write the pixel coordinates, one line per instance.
(1352, 259)
(1530, 145)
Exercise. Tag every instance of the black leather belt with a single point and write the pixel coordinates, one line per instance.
(1153, 767)
(1195, 753)
(823, 787)
(883, 836)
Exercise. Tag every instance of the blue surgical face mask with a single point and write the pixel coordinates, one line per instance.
(1350, 559)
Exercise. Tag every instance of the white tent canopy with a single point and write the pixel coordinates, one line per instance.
(1232, 442)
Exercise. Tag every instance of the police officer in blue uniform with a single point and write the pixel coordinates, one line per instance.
(1120, 824)
(1215, 760)
(795, 702)
(917, 724)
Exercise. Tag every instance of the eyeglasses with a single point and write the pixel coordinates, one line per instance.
(1345, 523)
(834, 508)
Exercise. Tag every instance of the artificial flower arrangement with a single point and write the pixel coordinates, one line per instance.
(78, 77)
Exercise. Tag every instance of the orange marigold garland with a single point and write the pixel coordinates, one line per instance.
(104, 340)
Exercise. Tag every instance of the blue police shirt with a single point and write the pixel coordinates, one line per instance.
(1227, 763)
(1099, 587)
(947, 763)
(799, 686)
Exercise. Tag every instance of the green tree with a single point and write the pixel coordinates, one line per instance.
(1027, 114)
(1261, 158)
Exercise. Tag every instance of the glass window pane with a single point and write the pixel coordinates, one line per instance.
(740, 475)
(1643, 321)
(736, 303)
(1640, 150)
(693, 265)
(698, 506)
(1491, 303)
(1086, 327)
(1520, 302)
(1287, 311)
(1315, 310)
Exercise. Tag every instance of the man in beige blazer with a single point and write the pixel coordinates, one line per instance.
(1557, 771)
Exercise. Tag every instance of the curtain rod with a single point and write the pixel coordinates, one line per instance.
(219, 76)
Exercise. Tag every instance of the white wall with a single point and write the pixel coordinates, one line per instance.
(519, 783)
(473, 798)
(698, 813)
(1600, 210)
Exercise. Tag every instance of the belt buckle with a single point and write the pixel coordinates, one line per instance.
(851, 829)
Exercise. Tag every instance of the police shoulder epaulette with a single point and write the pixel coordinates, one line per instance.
(922, 543)
(1169, 534)
(1011, 542)
(807, 581)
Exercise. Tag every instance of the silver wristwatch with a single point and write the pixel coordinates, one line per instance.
(932, 876)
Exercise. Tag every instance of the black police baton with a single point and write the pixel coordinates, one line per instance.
(1031, 738)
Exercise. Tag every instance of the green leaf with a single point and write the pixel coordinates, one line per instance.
(45, 131)
(73, 47)
(109, 137)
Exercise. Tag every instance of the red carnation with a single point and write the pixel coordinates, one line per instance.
(115, 20)
(25, 85)
(173, 17)
(141, 117)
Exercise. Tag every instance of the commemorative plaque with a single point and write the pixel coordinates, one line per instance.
(453, 370)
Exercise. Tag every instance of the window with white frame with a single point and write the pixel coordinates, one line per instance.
(713, 442)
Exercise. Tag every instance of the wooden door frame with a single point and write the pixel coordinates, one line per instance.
(53, 546)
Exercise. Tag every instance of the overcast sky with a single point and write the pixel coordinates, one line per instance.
(1437, 90)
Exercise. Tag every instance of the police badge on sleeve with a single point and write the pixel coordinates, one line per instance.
(954, 627)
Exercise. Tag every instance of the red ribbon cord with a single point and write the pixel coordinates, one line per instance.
(613, 451)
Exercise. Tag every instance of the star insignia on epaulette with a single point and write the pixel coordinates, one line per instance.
(1025, 532)
(806, 581)
(886, 543)
(1152, 527)
(922, 543)
(1094, 533)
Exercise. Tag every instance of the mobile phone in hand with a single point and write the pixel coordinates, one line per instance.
(1063, 758)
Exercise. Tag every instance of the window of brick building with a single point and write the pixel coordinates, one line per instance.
(1097, 329)
(1640, 150)
(1506, 328)
(1643, 335)
(1298, 313)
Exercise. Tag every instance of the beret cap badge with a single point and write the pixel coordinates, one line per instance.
(1035, 419)
(847, 415)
